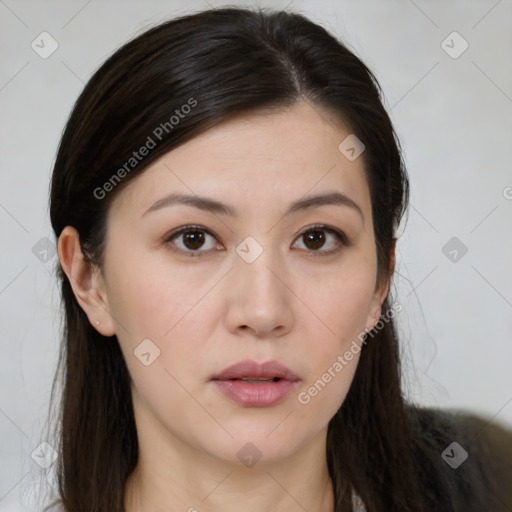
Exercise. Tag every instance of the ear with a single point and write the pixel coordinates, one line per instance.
(86, 281)
(381, 291)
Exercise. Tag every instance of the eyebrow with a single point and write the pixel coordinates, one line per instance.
(214, 206)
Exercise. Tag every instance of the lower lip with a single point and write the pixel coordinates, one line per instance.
(263, 394)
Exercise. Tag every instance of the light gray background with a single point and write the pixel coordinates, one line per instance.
(454, 118)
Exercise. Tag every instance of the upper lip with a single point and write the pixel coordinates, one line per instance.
(252, 370)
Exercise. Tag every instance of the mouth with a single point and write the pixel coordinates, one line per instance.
(256, 385)
(255, 381)
(252, 371)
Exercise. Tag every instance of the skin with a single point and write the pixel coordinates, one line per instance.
(291, 304)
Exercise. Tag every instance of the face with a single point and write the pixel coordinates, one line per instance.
(194, 289)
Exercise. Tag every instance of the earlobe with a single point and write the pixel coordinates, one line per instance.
(86, 281)
(375, 313)
(376, 308)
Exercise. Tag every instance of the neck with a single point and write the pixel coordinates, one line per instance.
(174, 476)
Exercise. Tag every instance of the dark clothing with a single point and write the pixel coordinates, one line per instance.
(480, 483)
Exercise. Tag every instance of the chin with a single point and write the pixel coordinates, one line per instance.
(259, 444)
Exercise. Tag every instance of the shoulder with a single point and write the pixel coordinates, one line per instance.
(465, 460)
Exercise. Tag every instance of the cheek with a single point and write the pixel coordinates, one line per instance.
(333, 337)
(339, 305)
(150, 301)
(161, 310)
(331, 370)
(149, 298)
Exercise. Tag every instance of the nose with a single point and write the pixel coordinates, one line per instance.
(259, 299)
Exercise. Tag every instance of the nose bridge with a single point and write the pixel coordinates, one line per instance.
(259, 298)
(256, 267)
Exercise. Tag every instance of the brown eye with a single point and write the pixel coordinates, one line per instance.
(192, 241)
(315, 238)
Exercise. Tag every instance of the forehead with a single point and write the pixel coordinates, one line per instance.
(256, 160)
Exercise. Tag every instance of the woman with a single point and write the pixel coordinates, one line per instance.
(226, 196)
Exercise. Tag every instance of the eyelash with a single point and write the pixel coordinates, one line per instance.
(342, 239)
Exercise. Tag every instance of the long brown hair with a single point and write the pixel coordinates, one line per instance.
(223, 62)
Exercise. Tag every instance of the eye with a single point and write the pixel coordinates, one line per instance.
(191, 239)
(194, 240)
(315, 238)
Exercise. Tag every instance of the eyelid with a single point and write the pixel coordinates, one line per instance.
(340, 235)
(184, 229)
